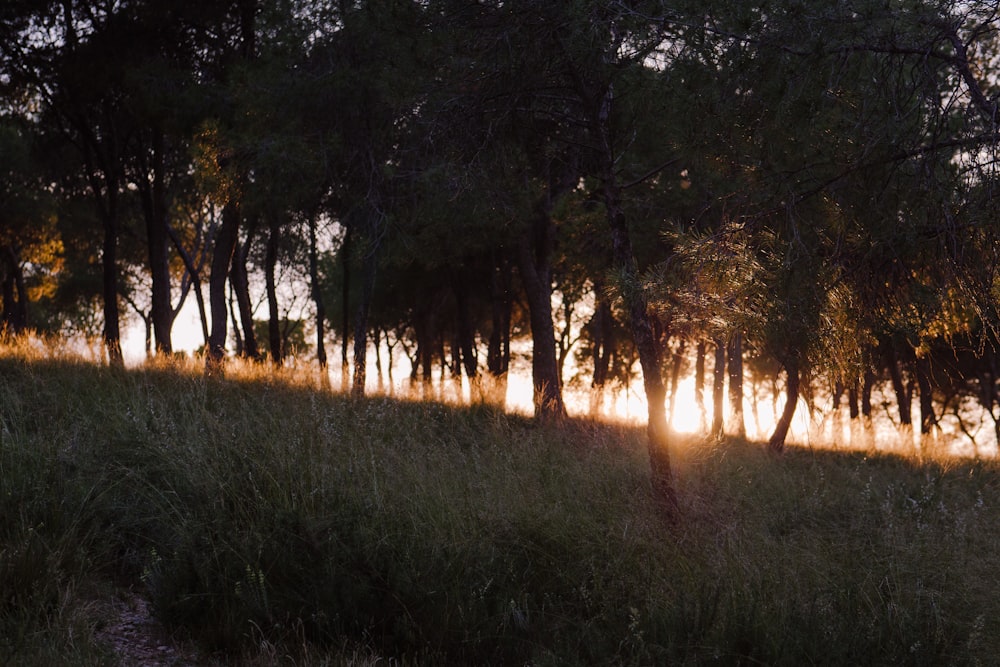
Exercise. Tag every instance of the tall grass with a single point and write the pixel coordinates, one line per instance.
(273, 522)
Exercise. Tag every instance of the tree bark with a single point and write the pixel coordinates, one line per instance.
(501, 303)
(777, 440)
(222, 257)
(641, 323)
(273, 314)
(699, 384)
(195, 276)
(735, 353)
(345, 307)
(602, 333)
(241, 287)
(675, 378)
(718, 388)
(15, 297)
(109, 264)
(317, 296)
(534, 264)
(154, 200)
(466, 333)
(928, 419)
(498, 350)
(867, 383)
(902, 396)
(368, 267)
(852, 400)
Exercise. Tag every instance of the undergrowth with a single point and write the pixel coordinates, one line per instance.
(273, 522)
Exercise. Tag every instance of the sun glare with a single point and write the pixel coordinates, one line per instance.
(625, 404)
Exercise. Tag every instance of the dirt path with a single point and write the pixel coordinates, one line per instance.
(139, 640)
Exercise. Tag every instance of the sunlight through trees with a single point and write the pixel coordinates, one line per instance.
(642, 203)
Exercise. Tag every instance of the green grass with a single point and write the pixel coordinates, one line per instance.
(273, 523)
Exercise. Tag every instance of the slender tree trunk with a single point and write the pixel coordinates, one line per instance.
(228, 237)
(699, 384)
(675, 378)
(466, 333)
(19, 319)
(389, 347)
(368, 268)
(928, 419)
(155, 209)
(602, 333)
(377, 334)
(109, 262)
(234, 319)
(317, 296)
(777, 440)
(427, 360)
(8, 303)
(194, 273)
(534, 250)
(867, 383)
(718, 388)
(15, 297)
(345, 293)
(735, 354)
(501, 301)
(222, 257)
(273, 314)
(498, 350)
(641, 323)
(240, 282)
(852, 400)
(902, 395)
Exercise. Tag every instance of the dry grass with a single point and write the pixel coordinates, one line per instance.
(271, 522)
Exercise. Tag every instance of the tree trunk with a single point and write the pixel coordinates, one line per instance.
(466, 333)
(345, 307)
(368, 267)
(222, 257)
(852, 400)
(377, 333)
(675, 378)
(194, 272)
(718, 388)
(736, 385)
(234, 318)
(641, 323)
(498, 350)
(534, 249)
(317, 296)
(867, 383)
(902, 395)
(777, 440)
(227, 239)
(15, 297)
(109, 263)
(602, 334)
(241, 287)
(273, 314)
(501, 302)
(154, 200)
(928, 419)
(699, 384)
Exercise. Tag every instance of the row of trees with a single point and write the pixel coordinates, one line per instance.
(809, 182)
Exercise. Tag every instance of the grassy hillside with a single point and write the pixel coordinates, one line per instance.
(269, 522)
